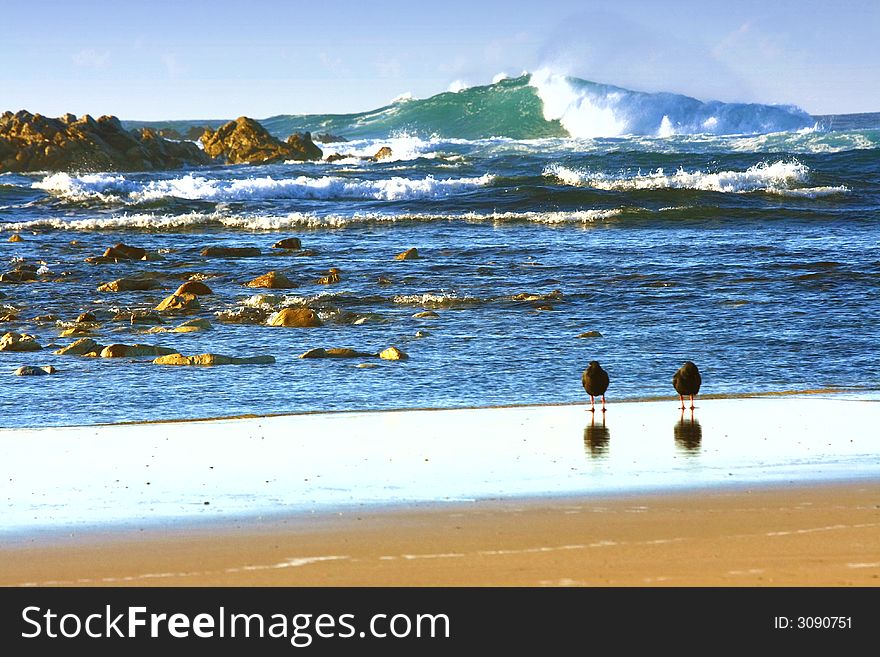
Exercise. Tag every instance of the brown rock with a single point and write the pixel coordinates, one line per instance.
(30, 370)
(129, 285)
(288, 243)
(273, 280)
(426, 314)
(590, 334)
(81, 347)
(196, 288)
(19, 342)
(246, 141)
(208, 360)
(124, 252)
(193, 325)
(300, 317)
(179, 303)
(382, 154)
(86, 317)
(392, 353)
(74, 331)
(15, 237)
(409, 254)
(134, 351)
(336, 352)
(230, 252)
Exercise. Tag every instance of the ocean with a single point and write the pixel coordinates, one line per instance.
(557, 221)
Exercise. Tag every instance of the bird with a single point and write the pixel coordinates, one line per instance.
(595, 381)
(686, 382)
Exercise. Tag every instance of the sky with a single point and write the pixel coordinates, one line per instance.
(192, 59)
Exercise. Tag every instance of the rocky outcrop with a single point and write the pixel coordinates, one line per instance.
(31, 370)
(327, 138)
(19, 342)
(244, 141)
(273, 281)
(230, 252)
(382, 154)
(208, 360)
(32, 142)
(296, 317)
(336, 352)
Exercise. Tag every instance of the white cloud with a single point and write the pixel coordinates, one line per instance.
(91, 58)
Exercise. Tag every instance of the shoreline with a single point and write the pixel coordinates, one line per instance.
(820, 535)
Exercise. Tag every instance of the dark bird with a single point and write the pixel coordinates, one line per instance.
(595, 381)
(687, 382)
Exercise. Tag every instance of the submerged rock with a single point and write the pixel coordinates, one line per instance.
(336, 352)
(81, 347)
(409, 254)
(15, 237)
(208, 360)
(272, 280)
(32, 142)
(134, 351)
(86, 318)
(292, 243)
(194, 287)
(590, 334)
(125, 252)
(246, 141)
(331, 277)
(31, 370)
(426, 314)
(19, 342)
(296, 317)
(129, 285)
(393, 353)
(231, 252)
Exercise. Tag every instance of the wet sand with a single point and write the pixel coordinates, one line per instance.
(781, 491)
(821, 535)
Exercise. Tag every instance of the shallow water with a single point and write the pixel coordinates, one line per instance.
(74, 478)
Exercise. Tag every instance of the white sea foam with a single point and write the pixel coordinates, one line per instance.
(428, 300)
(116, 188)
(403, 145)
(781, 177)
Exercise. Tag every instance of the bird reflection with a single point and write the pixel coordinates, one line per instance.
(688, 434)
(596, 438)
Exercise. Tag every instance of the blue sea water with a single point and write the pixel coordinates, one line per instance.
(743, 237)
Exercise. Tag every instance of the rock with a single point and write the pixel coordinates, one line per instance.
(45, 318)
(393, 353)
(383, 280)
(246, 141)
(273, 280)
(426, 314)
(15, 237)
(302, 144)
(30, 370)
(124, 252)
(300, 317)
(81, 347)
(19, 342)
(194, 325)
(409, 254)
(382, 154)
(179, 303)
(134, 351)
(529, 296)
(590, 334)
(74, 331)
(20, 274)
(196, 288)
(85, 317)
(422, 334)
(366, 366)
(32, 142)
(335, 157)
(326, 138)
(288, 243)
(129, 285)
(208, 360)
(230, 252)
(336, 352)
(331, 277)
(139, 317)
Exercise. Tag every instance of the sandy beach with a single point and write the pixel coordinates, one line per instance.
(747, 492)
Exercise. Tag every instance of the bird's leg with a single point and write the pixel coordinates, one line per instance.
(592, 404)
(681, 399)
(692, 403)
(603, 403)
